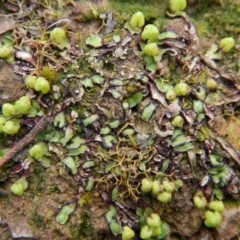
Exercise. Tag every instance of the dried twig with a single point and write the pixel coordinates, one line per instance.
(234, 154)
(40, 126)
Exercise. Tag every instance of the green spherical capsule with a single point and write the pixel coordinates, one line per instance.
(151, 49)
(178, 122)
(42, 85)
(137, 20)
(168, 186)
(157, 231)
(171, 95)
(212, 219)
(30, 81)
(216, 205)
(200, 201)
(5, 52)
(182, 89)
(127, 233)
(23, 182)
(9, 110)
(150, 32)
(146, 232)
(153, 220)
(38, 150)
(17, 189)
(58, 35)
(164, 197)
(211, 84)
(23, 104)
(156, 187)
(177, 5)
(226, 44)
(10, 128)
(146, 186)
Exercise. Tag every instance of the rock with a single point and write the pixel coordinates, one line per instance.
(19, 228)
(12, 85)
(203, 234)
(184, 219)
(230, 224)
(6, 23)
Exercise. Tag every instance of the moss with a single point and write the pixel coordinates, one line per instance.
(84, 230)
(124, 9)
(35, 219)
(231, 203)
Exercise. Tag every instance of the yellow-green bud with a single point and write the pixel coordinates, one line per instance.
(42, 85)
(10, 127)
(171, 95)
(146, 232)
(30, 81)
(153, 220)
(17, 189)
(164, 197)
(216, 205)
(178, 122)
(9, 110)
(137, 20)
(127, 233)
(226, 44)
(177, 5)
(58, 35)
(150, 32)
(146, 186)
(23, 104)
(200, 201)
(211, 84)
(182, 89)
(151, 49)
(168, 186)
(212, 219)
(38, 150)
(5, 52)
